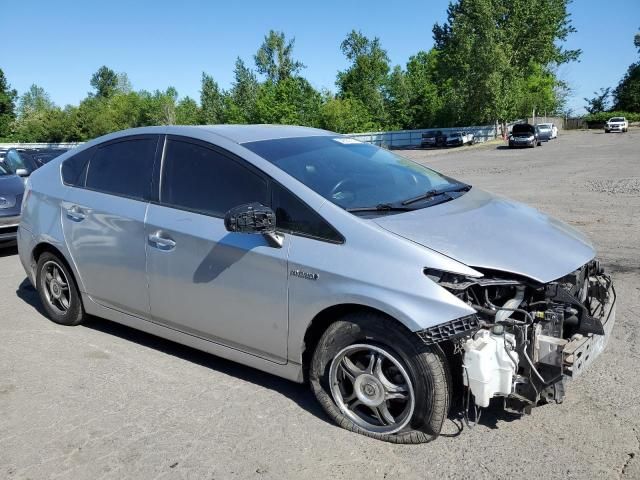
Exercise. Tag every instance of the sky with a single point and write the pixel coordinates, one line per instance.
(60, 44)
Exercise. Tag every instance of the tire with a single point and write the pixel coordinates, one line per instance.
(58, 291)
(539, 144)
(424, 367)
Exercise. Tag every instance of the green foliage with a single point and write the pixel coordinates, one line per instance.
(600, 101)
(187, 112)
(105, 82)
(274, 58)
(604, 116)
(292, 101)
(211, 101)
(496, 58)
(366, 77)
(7, 105)
(347, 115)
(627, 94)
(493, 60)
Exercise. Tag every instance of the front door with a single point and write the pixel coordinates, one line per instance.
(229, 288)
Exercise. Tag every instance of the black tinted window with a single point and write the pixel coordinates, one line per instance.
(295, 216)
(200, 179)
(74, 168)
(123, 168)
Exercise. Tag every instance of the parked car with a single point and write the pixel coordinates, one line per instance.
(524, 135)
(457, 139)
(25, 162)
(616, 124)
(433, 139)
(11, 191)
(19, 162)
(552, 127)
(545, 132)
(318, 258)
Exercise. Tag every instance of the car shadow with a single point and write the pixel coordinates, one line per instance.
(299, 393)
(503, 147)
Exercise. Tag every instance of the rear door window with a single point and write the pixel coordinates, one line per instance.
(124, 167)
(204, 180)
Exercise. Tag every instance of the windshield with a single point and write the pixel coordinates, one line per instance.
(617, 119)
(4, 170)
(14, 161)
(349, 173)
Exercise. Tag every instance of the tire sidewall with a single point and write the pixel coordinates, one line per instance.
(427, 417)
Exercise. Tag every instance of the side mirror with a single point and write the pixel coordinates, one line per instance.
(254, 218)
(250, 218)
(22, 172)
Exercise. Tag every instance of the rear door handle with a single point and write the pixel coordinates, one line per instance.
(75, 213)
(161, 241)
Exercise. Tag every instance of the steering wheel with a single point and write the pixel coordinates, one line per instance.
(338, 186)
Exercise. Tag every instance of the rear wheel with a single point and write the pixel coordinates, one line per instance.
(58, 291)
(376, 379)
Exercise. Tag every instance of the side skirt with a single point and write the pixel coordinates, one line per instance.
(290, 371)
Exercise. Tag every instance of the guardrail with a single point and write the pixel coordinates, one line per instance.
(413, 138)
(67, 145)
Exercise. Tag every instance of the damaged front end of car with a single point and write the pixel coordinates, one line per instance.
(527, 339)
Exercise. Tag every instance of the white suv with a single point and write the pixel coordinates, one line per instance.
(616, 124)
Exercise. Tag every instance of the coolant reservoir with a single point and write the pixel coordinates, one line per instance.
(488, 367)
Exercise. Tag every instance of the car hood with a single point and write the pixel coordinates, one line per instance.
(11, 185)
(486, 231)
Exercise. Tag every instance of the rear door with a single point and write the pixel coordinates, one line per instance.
(103, 220)
(230, 288)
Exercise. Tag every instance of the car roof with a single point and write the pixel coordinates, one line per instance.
(235, 133)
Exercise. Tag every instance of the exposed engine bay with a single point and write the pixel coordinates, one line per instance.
(527, 339)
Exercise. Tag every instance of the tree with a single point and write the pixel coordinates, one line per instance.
(347, 115)
(397, 98)
(274, 58)
(425, 101)
(33, 101)
(292, 101)
(599, 103)
(8, 97)
(240, 102)
(490, 50)
(627, 94)
(211, 101)
(366, 77)
(187, 112)
(105, 82)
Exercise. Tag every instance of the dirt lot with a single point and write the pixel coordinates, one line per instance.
(104, 401)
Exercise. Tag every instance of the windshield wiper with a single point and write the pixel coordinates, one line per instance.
(434, 193)
(381, 207)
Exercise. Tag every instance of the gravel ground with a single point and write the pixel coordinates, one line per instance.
(104, 401)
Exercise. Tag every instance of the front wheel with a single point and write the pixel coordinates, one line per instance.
(374, 378)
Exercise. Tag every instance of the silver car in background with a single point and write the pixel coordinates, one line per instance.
(309, 255)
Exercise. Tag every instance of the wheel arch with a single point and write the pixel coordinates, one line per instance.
(43, 247)
(323, 319)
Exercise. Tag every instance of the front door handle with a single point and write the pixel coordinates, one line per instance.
(75, 213)
(160, 241)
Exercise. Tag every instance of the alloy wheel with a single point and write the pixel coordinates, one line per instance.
(56, 287)
(372, 388)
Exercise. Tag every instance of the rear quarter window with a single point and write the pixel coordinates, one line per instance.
(74, 169)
